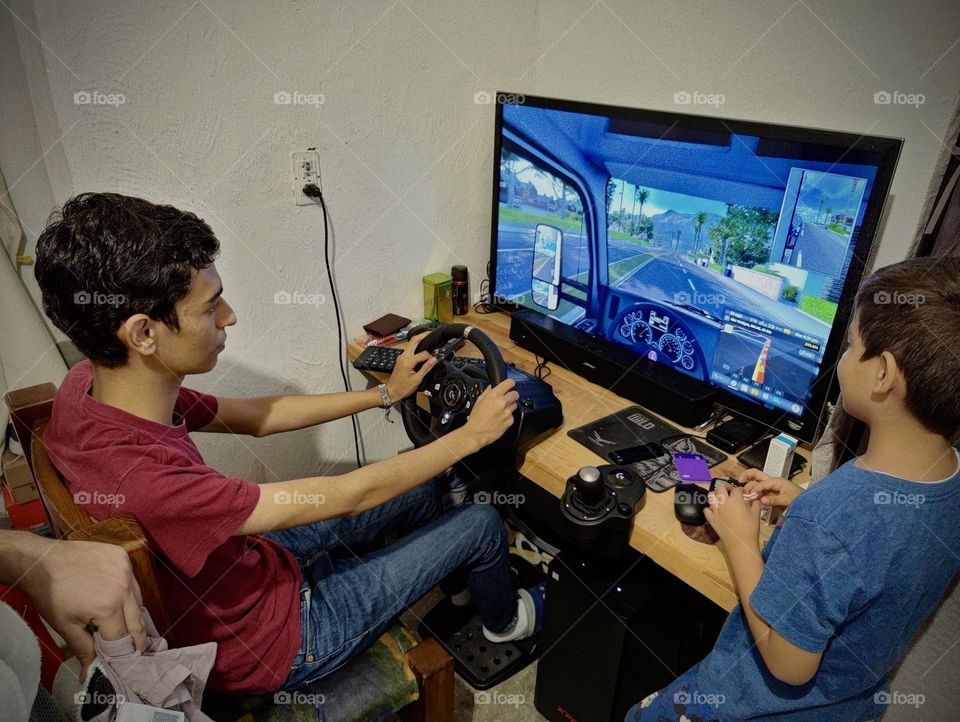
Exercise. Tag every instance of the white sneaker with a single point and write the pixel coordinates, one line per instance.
(529, 621)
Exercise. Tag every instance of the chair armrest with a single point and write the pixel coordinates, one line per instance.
(125, 531)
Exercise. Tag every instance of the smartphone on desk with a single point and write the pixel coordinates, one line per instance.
(633, 454)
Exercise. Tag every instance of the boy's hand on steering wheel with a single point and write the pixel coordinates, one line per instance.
(405, 380)
(493, 413)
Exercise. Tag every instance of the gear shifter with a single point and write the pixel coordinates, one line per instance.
(598, 507)
(589, 486)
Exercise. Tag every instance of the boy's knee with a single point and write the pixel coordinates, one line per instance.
(430, 491)
(425, 498)
(485, 520)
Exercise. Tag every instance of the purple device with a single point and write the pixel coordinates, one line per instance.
(692, 467)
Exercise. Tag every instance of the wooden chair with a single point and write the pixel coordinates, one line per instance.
(30, 410)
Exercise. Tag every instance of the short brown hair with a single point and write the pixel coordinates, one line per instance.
(912, 310)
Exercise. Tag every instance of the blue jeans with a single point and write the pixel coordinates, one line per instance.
(353, 591)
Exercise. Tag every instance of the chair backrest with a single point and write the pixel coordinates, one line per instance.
(30, 409)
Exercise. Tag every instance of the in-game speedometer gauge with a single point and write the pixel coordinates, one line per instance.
(670, 347)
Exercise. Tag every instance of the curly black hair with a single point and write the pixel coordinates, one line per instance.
(104, 257)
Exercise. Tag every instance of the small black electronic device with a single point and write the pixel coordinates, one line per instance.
(689, 501)
(733, 435)
(756, 456)
(384, 358)
(599, 505)
(640, 452)
(377, 358)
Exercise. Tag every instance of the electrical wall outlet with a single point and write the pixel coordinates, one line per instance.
(305, 165)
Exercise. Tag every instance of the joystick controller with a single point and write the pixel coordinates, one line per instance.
(598, 507)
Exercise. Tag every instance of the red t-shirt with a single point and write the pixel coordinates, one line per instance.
(242, 592)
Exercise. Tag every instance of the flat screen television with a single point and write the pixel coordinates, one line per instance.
(729, 251)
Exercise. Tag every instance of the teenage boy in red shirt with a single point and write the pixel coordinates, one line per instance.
(280, 575)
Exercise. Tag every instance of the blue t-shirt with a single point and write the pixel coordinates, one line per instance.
(855, 566)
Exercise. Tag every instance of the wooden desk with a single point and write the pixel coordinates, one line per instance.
(656, 531)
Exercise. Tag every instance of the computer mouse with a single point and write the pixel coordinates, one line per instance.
(689, 501)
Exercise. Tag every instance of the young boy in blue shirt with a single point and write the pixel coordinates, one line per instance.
(860, 560)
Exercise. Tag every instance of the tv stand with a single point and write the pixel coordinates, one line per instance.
(681, 399)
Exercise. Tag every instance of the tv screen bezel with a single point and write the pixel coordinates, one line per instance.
(824, 388)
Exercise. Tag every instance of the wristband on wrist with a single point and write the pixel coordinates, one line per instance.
(385, 401)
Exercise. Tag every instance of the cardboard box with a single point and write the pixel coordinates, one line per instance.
(15, 471)
(25, 493)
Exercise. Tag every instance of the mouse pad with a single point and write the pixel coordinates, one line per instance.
(634, 426)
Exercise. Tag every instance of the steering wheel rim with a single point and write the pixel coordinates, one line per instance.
(450, 390)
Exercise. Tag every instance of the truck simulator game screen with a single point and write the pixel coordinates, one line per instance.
(720, 253)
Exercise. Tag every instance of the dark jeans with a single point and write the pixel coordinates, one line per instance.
(352, 592)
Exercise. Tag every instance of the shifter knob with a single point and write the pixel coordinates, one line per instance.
(589, 485)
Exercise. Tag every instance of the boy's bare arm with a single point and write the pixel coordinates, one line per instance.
(285, 504)
(267, 415)
(274, 414)
(787, 662)
(737, 522)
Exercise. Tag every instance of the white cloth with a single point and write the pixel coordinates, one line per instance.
(19, 666)
(159, 677)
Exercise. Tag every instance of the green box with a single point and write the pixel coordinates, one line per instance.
(438, 297)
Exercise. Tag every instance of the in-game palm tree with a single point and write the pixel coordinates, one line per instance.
(697, 230)
(640, 194)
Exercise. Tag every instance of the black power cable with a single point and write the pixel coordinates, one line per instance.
(485, 304)
(314, 192)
